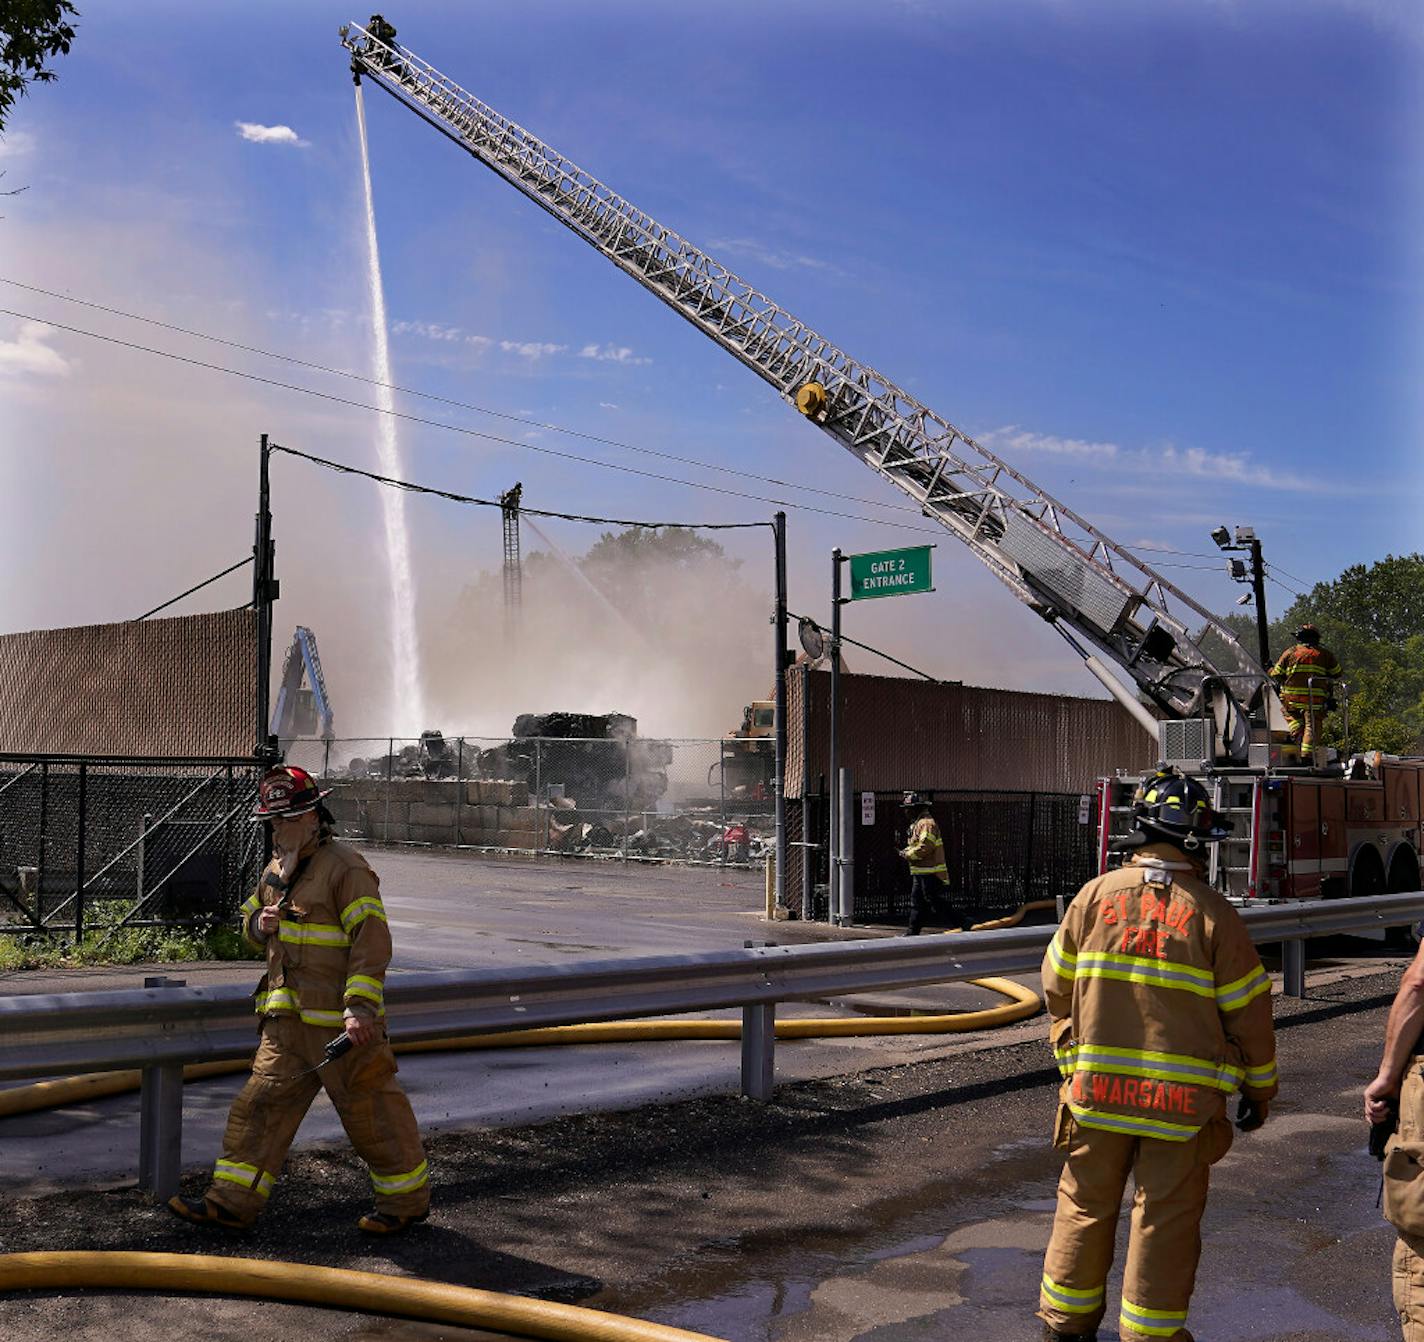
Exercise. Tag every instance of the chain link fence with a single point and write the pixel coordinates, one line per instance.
(107, 842)
(629, 798)
(1003, 849)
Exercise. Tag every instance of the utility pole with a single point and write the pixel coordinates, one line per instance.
(1252, 570)
(265, 590)
(833, 870)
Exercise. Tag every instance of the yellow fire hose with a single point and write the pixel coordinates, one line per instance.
(368, 1292)
(1021, 1005)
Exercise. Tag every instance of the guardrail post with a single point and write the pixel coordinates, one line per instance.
(1293, 967)
(160, 1138)
(758, 1048)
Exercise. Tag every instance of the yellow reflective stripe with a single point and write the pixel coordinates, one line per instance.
(1178, 1070)
(313, 934)
(1236, 994)
(402, 1183)
(322, 1017)
(277, 999)
(1153, 1322)
(1265, 1075)
(368, 906)
(250, 906)
(941, 870)
(359, 985)
(1146, 969)
(1064, 963)
(1134, 1126)
(247, 1176)
(1070, 1298)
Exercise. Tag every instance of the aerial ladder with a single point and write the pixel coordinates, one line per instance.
(1212, 704)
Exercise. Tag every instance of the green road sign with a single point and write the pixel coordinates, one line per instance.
(890, 573)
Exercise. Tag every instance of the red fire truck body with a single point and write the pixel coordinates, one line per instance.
(1299, 834)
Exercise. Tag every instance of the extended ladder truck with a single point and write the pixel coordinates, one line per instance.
(1214, 712)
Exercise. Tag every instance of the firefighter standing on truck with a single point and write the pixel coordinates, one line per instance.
(1306, 674)
(1159, 1010)
(318, 914)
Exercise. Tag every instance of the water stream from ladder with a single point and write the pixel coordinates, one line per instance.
(407, 707)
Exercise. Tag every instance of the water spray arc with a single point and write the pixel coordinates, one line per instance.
(407, 693)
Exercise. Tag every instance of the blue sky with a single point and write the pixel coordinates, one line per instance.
(1163, 257)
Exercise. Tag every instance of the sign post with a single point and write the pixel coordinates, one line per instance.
(901, 572)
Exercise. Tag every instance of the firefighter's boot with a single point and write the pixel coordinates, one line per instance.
(387, 1223)
(1051, 1334)
(206, 1212)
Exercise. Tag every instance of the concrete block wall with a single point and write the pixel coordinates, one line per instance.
(483, 812)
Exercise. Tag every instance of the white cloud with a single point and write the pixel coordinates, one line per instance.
(612, 354)
(259, 134)
(28, 354)
(770, 257)
(1014, 439)
(531, 349)
(1160, 462)
(607, 405)
(16, 143)
(431, 331)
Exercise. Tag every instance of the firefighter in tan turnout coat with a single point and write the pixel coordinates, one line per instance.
(1159, 1010)
(319, 917)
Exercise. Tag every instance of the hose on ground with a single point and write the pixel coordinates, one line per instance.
(1022, 1004)
(368, 1292)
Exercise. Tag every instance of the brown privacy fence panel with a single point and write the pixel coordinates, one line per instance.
(1003, 849)
(165, 687)
(88, 844)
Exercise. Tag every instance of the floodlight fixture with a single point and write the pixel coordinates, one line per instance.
(1221, 536)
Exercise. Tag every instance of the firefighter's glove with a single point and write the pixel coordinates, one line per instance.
(1381, 1132)
(1251, 1114)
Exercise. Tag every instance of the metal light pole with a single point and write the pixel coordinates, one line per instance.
(779, 620)
(265, 590)
(1258, 588)
(833, 869)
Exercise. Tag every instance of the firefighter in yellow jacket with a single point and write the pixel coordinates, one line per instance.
(1159, 1010)
(318, 915)
(929, 873)
(1306, 674)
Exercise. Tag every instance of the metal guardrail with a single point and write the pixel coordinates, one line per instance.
(161, 1027)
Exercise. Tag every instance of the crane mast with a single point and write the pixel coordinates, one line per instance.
(1053, 560)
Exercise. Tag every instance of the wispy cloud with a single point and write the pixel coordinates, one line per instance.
(611, 354)
(433, 331)
(607, 405)
(531, 349)
(258, 134)
(1165, 460)
(769, 256)
(29, 355)
(16, 143)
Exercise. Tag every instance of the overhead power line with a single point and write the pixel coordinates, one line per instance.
(343, 469)
(409, 418)
(451, 401)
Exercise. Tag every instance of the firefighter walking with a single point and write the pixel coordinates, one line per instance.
(929, 873)
(318, 915)
(1306, 674)
(1159, 1010)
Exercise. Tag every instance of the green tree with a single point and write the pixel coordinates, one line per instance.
(32, 33)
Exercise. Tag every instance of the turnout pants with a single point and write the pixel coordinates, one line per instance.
(1408, 1274)
(1164, 1242)
(1304, 724)
(266, 1114)
(930, 895)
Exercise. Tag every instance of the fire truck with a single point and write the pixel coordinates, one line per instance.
(1181, 671)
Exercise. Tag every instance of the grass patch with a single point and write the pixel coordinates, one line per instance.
(126, 946)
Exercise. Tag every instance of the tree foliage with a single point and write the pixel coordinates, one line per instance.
(1372, 619)
(32, 34)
